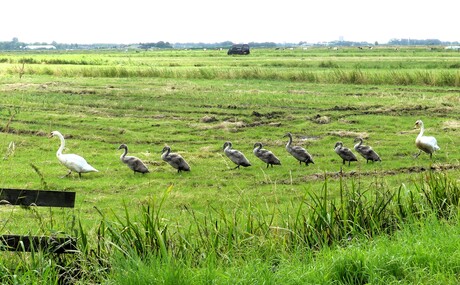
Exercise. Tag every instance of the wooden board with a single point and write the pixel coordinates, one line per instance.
(38, 243)
(37, 198)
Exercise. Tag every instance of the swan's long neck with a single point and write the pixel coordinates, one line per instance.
(422, 129)
(290, 141)
(258, 147)
(338, 147)
(61, 148)
(166, 152)
(360, 142)
(125, 152)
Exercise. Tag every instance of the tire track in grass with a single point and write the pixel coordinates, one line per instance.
(390, 172)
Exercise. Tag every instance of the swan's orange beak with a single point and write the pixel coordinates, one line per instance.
(50, 135)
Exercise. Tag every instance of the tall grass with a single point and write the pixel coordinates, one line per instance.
(384, 66)
(334, 75)
(216, 238)
(440, 194)
(320, 222)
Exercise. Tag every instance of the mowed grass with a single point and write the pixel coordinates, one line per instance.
(195, 115)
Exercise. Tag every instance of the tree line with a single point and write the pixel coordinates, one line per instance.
(427, 42)
(15, 44)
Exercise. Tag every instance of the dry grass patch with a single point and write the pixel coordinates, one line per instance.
(348, 134)
(451, 125)
(321, 119)
(225, 125)
(28, 86)
(208, 119)
(22, 86)
(300, 92)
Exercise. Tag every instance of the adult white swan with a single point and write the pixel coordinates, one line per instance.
(424, 143)
(72, 161)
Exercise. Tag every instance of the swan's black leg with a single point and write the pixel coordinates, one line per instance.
(68, 173)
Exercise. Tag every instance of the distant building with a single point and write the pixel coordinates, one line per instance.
(453, 47)
(35, 47)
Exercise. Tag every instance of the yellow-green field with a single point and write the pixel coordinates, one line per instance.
(194, 101)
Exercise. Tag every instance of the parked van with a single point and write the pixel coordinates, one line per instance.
(239, 49)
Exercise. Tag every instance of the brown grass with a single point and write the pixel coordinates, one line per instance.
(451, 125)
(348, 134)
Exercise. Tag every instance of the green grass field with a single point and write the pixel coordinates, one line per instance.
(194, 101)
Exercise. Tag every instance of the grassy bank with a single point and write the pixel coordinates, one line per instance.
(409, 257)
(367, 235)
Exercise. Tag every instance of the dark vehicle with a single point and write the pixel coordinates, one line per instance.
(239, 49)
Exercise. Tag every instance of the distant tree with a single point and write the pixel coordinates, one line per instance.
(162, 44)
(263, 44)
(406, 42)
(226, 44)
(159, 44)
(14, 44)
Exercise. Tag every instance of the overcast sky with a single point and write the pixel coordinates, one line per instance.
(210, 21)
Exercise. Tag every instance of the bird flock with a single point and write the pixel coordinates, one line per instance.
(76, 163)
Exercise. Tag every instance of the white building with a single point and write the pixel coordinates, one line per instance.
(40, 47)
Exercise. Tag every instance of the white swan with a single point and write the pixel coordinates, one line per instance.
(72, 161)
(424, 143)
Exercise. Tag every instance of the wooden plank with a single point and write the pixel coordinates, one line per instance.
(38, 243)
(37, 198)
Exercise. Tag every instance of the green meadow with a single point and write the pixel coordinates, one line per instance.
(287, 224)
